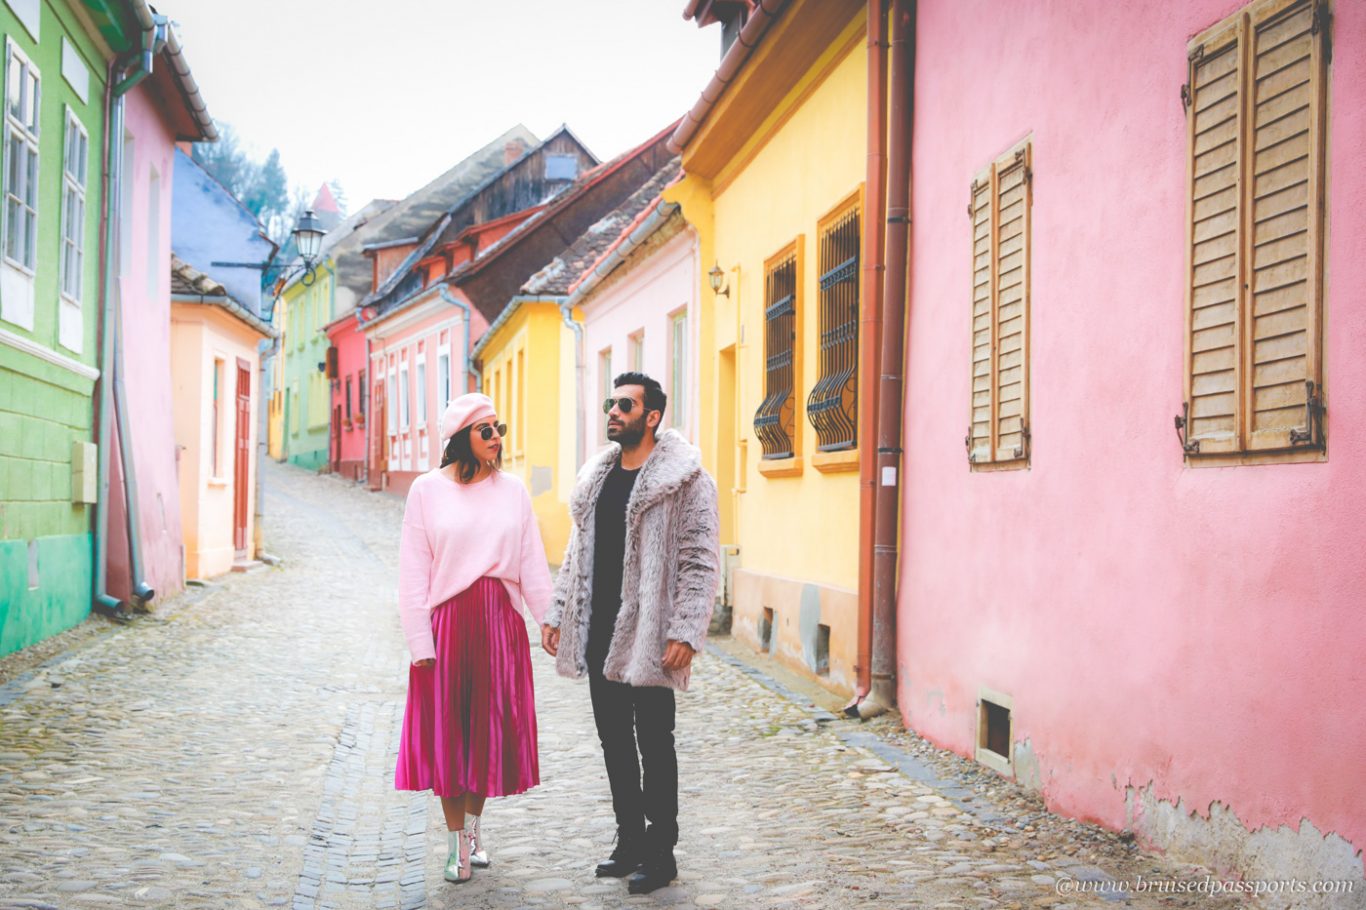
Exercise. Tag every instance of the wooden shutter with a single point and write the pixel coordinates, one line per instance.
(1256, 207)
(1215, 259)
(1012, 272)
(983, 338)
(1285, 204)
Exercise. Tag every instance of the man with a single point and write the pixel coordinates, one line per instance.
(632, 602)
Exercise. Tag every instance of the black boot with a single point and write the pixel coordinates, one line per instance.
(657, 870)
(626, 858)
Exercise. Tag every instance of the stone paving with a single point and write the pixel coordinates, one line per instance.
(235, 750)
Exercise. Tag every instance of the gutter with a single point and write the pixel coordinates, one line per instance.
(870, 336)
(470, 373)
(509, 311)
(233, 307)
(765, 12)
(175, 56)
(580, 418)
(122, 77)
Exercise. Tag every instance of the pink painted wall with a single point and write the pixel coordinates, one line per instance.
(145, 294)
(420, 336)
(1199, 630)
(351, 359)
(659, 283)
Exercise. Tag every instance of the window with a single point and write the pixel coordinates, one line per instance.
(392, 419)
(217, 418)
(678, 368)
(22, 97)
(775, 422)
(604, 387)
(362, 394)
(422, 416)
(521, 402)
(404, 397)
(71, 325)
(1255, 238)
(635, 352)
(998, 429)
(348, 398)
(443, 380)
(296, 412)
(832, 406)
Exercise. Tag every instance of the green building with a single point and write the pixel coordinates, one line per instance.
(307, 390)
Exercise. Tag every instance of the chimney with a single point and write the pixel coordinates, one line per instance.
(512, 151)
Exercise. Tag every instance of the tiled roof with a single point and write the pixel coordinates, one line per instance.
(562, 272)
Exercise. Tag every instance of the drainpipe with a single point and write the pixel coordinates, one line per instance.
(890, 398)
(871, 336)
(132, 71)
(567, 314)
(450, 298)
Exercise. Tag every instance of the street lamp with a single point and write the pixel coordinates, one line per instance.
(715, 277)
(308, 240)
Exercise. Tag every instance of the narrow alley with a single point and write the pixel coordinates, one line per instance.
(235, 749)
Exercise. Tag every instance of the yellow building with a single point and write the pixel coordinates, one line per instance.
(523, 356)
(775, 169)
(275, 425)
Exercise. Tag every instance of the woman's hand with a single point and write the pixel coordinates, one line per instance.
(425, 662)
(550, 640)
(677, 655)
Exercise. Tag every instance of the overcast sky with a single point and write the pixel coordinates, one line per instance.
(386, 95)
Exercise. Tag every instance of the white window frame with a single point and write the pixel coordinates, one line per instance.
(443, 379)
(604, 388)
(71, 322)
(405, 398)
(391, 418)
(422, 415)
(26, 133)
(678, 368)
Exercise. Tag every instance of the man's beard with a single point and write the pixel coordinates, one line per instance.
(629, 434)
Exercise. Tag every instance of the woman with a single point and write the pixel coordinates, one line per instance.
(470, 551)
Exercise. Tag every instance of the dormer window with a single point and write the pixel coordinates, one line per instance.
(561, 167)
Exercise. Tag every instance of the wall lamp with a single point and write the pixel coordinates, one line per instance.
(716, 278)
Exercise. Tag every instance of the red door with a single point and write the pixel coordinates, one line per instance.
(336, 439)
(241, 473)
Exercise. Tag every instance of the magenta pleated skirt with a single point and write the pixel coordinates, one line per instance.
(470, 722)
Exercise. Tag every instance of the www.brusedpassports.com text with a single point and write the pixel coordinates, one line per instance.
(1207, 885)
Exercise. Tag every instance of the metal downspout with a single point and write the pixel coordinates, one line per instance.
(470, 373)
(567, 314)
(870, 330)
(891, 396)
(116, 89)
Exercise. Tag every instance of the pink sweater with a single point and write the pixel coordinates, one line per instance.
(453, 535)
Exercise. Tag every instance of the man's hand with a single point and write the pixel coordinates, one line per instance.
(677, 655)
(425, 662)
(550, 640)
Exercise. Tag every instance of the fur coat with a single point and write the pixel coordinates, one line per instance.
(671, 569)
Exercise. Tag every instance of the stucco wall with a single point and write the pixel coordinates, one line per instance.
(1192, 633)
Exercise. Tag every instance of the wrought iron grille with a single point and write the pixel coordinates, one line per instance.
(774, 421)
(833, 403)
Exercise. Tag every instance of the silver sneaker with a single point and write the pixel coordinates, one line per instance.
(458, 859)
(479, 856)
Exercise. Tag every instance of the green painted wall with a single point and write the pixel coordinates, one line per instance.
(45, 407)
(308, 309)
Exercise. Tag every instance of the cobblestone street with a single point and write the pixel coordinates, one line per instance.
(235, 749)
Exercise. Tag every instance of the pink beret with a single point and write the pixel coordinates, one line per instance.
(463, 412)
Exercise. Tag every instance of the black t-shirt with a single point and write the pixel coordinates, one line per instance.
(609, 556)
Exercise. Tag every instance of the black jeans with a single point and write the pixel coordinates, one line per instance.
(628, 716)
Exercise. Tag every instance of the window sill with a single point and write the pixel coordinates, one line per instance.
(781, 467)
(991, 467)
(836, 462)
(217, 481)
(1233, 459)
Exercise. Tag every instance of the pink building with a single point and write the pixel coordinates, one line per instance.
(1124, 213)
(151, 129)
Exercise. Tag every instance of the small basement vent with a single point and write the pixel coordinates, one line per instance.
(993, 730)
(766, 630)
(822, 649)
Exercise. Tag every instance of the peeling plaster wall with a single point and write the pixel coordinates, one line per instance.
(1193, 635)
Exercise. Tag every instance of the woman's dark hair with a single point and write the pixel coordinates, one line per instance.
(458, 451)
(655, 399)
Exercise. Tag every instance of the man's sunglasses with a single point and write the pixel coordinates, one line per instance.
(623, 404)
(486, 432)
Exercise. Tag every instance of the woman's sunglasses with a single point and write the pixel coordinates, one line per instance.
(623, 404)
(486, 432)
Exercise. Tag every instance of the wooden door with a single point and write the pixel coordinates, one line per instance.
(378, 436)
(241, 475)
